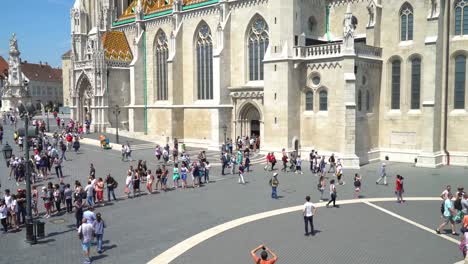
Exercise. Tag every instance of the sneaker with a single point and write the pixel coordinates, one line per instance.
(320, 200)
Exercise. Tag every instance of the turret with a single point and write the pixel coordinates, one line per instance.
(79, 29)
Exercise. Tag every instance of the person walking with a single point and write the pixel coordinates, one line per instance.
(321, 187)
(382, 174)
(85, 234)
(149, 181)
(100, 190)
(449, 212)
(78, 209)
(357, 185)
(123, 152)
(308, 212)
(399, 189)
(128, 152)
(263, 259)
(89, 189)
(4, 215)
(339, 173)
(332, 194)
(241, 173)
(129, 184)
(58, 167)
(274, 185)
(175, 176)
(299, 165)
(332, 162)
(99, 226)
(68, 195)
(111, 186)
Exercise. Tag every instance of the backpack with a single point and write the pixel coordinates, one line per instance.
(83, 195)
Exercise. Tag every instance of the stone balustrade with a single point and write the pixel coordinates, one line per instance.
(335, 49)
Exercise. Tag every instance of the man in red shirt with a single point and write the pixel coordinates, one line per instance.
(263, 256)
(399, 189)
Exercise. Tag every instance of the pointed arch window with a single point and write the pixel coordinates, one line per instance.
(257, 46)
(415, 83)
(204, 55)
(406, 22)
(460, 82)
(323, 101)
(359, 100)
(461, 17)
(309, 101)
(162, 54)
(396, 76)
(368, 101)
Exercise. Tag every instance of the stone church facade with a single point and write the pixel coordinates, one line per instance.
(365, 79)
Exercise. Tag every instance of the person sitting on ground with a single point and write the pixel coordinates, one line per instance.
(263, 255)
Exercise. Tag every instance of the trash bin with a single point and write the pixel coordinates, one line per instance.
(40, 228)
(29, 232)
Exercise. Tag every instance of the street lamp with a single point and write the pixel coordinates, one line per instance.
(116, 113)
(25, 113)
(224, 130)
(7, 152)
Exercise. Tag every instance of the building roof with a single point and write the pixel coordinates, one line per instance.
(3, 68)
(41, 72)
(154, 6)
(116, 47)
(66, 55)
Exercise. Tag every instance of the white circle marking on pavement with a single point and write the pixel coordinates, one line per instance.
(184, 246)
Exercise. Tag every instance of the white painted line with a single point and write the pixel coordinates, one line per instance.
(430, 230)
(184, 246)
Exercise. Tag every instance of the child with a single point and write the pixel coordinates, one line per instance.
(299, 165)
(357, 185)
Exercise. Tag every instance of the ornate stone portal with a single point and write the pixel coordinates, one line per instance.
(15, 91)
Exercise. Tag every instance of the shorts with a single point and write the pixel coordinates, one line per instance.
(86, 246)
(184, 177)
(448, 219)
(175, 177)
(47, 205)
(164, 180)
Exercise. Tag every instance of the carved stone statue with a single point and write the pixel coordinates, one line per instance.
(434, 8)
(349, 26)
(13, 44)
(371, 11)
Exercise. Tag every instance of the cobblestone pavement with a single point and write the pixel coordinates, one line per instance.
(140, 229)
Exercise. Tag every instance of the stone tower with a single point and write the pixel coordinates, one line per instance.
(15, 91)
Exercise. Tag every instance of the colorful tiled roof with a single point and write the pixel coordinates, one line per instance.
(116, 47)
(154, 6)
(149, 7)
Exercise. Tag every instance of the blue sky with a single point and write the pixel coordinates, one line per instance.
(42, 28)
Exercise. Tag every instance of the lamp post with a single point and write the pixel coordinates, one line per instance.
(25, 113)
(47, 116)
(224, 130)
(116, 113)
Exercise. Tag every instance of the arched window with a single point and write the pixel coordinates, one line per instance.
(460, 80)
(406, 22)
(367, 101)
(415, 83)
(323, 101)
(161, 66)
(461, 17)
(258, 43)
(396, 72)
(204, 56)
(359, 101)
(309, 101)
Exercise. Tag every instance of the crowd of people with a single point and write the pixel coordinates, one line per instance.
(175, 169)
